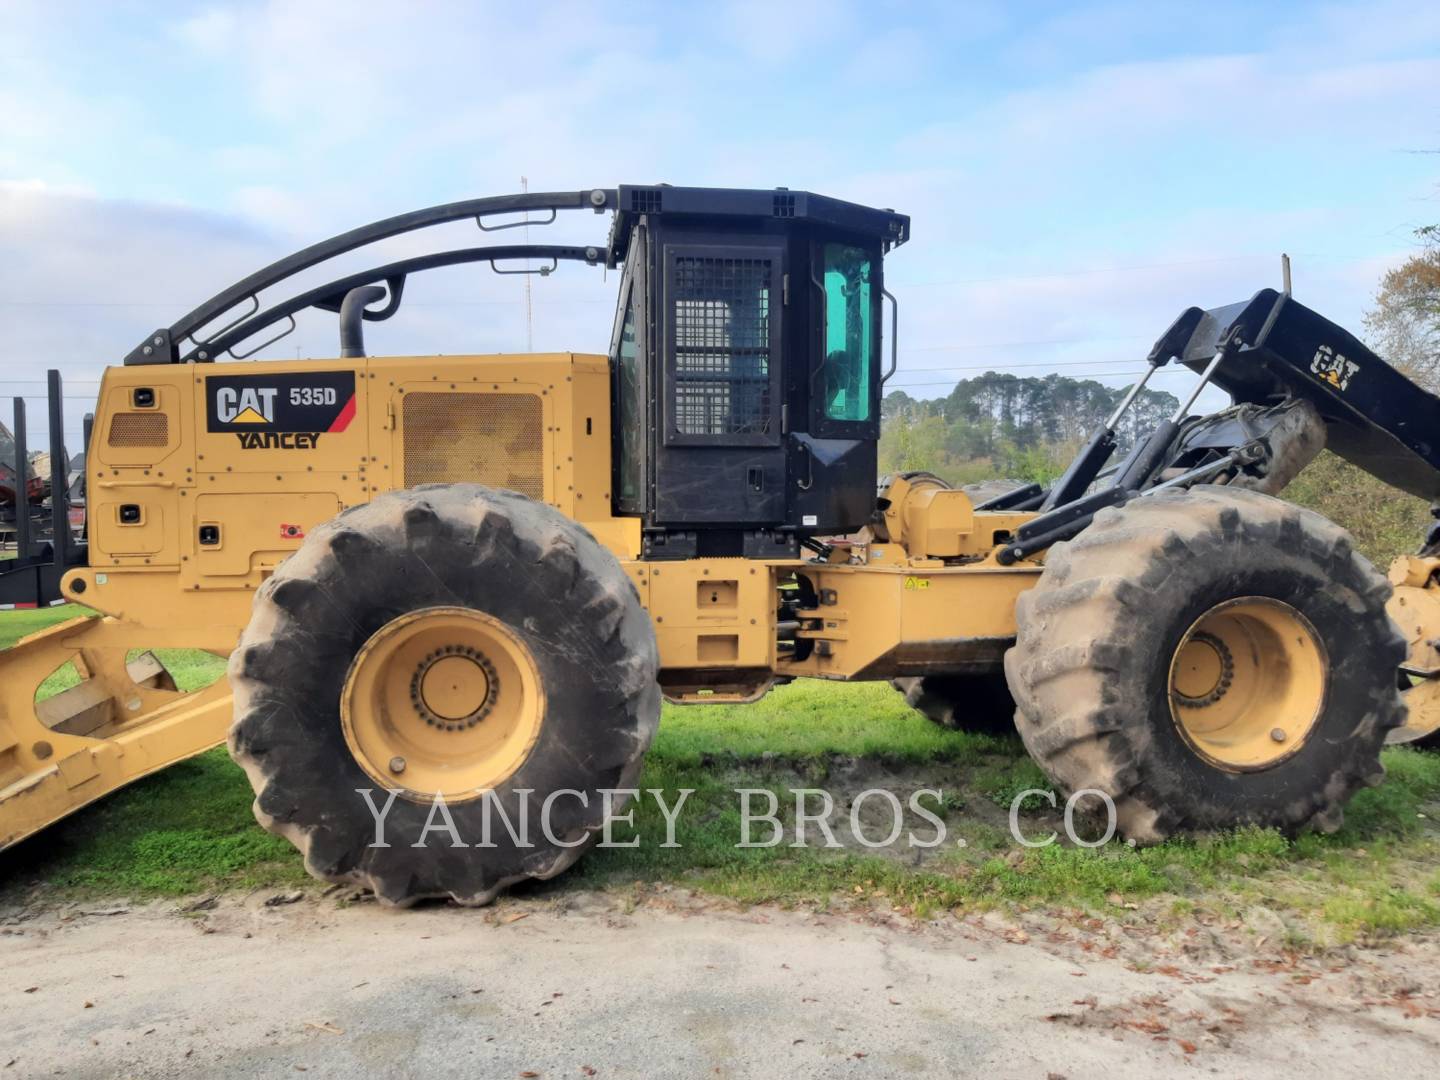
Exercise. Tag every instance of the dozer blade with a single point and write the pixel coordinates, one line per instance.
(1415, 609)
(124, 719)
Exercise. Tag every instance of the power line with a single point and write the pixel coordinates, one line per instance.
(962, 346)
(408, 303)
(1138, 268)
(948, 367)
(997, 368)
(1081, 375)
(1074, 273)
(1017, 344)
(1125, 269)
(1022, 364)
(45, 397)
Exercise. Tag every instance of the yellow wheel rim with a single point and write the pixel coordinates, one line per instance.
(444, 700)
(1247, 683)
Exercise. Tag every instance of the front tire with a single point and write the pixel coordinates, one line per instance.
(1208, 659)
(449, 639)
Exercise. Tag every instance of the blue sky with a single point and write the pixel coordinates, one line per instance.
(1077, 173)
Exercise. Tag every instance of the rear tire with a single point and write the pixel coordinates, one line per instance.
(549, 683)
(1108, 701)
(979, 703)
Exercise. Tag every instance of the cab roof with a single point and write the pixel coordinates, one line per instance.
(660, 200)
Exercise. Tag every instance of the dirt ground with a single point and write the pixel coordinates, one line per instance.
(664, 984)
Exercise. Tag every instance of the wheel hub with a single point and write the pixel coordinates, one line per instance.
(442, 700)
(1247, 683)
(1204, 670)
(454, 688)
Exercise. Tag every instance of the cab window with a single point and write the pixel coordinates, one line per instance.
(847, 370)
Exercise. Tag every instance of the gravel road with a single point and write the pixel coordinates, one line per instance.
(675, 987)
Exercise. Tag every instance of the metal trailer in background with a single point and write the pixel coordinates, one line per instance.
(47, 539)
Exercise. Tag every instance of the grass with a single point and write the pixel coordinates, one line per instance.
(16, 624)
(1376, 875)
(809, 721)
(179, 832)
(191, 668)
(190, 829)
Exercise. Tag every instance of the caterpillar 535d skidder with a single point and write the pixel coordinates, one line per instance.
(479, 574)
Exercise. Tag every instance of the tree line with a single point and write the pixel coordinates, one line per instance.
(999, 424)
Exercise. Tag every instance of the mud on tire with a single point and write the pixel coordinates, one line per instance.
(522, 564)
(1091, 668)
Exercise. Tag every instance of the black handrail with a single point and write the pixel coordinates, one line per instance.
(329, 297)
(163, 346)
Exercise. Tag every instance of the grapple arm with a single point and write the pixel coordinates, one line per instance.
(1375, 417)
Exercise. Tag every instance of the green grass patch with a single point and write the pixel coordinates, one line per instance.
(190, 829)
(191, 668)
(17, 624)
(186, 830)
(1002, 784)
(811, 719)
(1374, 877)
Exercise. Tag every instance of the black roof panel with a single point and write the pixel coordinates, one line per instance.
(890, 228)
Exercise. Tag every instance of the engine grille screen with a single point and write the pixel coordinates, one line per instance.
(491, 439)
(138, 429)
(722, 346)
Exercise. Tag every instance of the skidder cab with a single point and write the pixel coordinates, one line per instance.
(747, 350)
(470, 580)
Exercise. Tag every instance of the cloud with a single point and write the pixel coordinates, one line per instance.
(84, 279)
(763, 32)
(210, 32)
(165, 158)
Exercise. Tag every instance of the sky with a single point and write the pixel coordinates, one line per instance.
(1076, 173)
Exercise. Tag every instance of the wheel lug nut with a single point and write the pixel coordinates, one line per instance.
(397, 765)
(1278, 734)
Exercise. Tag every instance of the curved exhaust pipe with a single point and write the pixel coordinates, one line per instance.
(352, 314)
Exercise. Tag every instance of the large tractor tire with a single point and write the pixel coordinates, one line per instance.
(1208, 659)
(980, 703)
(449, 639)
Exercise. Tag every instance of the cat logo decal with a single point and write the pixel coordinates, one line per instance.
(1333, 368)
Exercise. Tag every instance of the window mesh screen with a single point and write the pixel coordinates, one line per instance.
(137, 429)
(722, 346)
(491, 439)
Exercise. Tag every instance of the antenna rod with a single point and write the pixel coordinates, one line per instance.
(1285, 273)
(529, 317)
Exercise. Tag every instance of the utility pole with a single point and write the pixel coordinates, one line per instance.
(529, 314)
